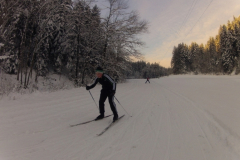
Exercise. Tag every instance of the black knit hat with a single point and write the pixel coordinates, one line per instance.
(99, 69)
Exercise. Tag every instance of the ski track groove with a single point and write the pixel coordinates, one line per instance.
(167, 155)
(156, 133)
(160, 117)
(204, 156)
(140, 114)
(168, 151)
(206, 114)
(188, 100)
(175, 123)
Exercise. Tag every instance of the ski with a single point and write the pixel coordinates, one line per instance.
(88, 121)
(111, 124)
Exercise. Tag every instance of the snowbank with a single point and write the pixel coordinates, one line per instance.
(10, 88)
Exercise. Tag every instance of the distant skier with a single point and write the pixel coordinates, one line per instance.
(147, 80)
(108, 90)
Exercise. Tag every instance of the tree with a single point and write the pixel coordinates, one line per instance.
(180, 58)
(141, 69)
(19, 29)
(211, 50)
(219, 55)
(65, 36)
(83, 37)
(226, 50)
(194, 57)
(236, 46)
(202, 61)
(120, 41)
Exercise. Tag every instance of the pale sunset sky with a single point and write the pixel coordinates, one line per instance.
(175, 21)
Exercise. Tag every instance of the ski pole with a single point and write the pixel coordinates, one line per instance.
(122, 106)
(93, 98)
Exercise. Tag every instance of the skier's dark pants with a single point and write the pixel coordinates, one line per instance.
(103, 96)
(147, 81)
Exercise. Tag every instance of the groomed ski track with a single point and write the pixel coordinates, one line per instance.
(173, 118)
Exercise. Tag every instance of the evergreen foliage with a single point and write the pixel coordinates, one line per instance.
(141, 69)
(219, 56)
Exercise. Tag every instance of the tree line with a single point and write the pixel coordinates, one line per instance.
(221, 54)
(142, 69)
(67, 37)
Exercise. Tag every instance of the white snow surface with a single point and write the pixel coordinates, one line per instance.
(173, 118)
(3, 57)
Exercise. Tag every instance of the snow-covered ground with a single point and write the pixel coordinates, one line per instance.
(173, 118)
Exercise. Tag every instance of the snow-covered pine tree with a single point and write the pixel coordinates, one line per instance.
(237, 46)
(202, 59)
(10, 36)
(185, 57)
(54, 26)
(211, 51)
(194, 52)
(179, 59)
(18, 31)
(175, 60)
(226, 50)
(82, 41)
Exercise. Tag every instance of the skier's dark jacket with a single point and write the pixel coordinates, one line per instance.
(107, 83)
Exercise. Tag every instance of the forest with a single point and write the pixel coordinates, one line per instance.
(142, 69)
(220, 55)
(65, 37)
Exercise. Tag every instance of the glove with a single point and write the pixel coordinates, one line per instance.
(112, 93)
(88, 88)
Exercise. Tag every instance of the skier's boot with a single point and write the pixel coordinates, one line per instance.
(101, 116)
(115, 117)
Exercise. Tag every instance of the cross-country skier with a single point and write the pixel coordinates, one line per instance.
(108, 90)
(147, 80)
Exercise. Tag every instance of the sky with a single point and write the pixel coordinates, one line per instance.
(179, 21)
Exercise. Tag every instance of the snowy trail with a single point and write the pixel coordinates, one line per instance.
(173, 118)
